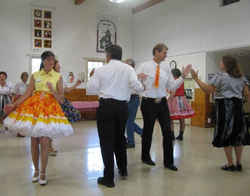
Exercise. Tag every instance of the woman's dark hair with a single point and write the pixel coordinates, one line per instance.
(231, 66)
(23, 74)
(56, 61)
(176, 72)
(114, 51)
(4, 73)
(44, 56)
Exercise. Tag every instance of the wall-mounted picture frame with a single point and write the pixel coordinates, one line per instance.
(38, 13)
(47, 44)
(47, 24)
(42, 31)
(47, 14)
(38, 23)
(38, 33)
(38, 43)
(47, 34)
(106, 35)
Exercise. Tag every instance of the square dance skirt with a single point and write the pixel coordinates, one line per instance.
(39, 116)
(230, 128)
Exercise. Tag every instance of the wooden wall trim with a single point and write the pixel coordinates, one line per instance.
(146, 5)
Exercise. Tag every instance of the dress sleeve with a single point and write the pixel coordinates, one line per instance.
(215, 80)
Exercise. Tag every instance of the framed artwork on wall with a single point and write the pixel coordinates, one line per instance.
(42, 31)
(106, 34)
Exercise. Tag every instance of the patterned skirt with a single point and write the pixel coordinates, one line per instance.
(230, 128)
(70, 112)
(4, 100)
(179, 108)
(39, 116)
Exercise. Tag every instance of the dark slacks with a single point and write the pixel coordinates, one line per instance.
(150, 112)
(112, 116)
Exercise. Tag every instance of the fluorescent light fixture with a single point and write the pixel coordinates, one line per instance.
(117, 1)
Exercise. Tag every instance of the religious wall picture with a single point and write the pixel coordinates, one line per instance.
(38, 33)
(37, 23)
(47, 44)
(47, 24)
(42, 30)
(47, 34)
(106, 35)
(47, 14)
(37, 43)
(38, 13)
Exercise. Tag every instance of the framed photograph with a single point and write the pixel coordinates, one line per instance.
(47, 24)
(42, 19)
(37, 43)
(106, 35)
(38, 33)
(47, 14)
(47, 34)
(38, 23)
(47, 44)
(37, 13)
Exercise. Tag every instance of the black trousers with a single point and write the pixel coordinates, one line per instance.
(112, 116)
(150, 112)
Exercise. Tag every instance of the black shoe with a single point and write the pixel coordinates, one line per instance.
(228, 168)
(148, 162)
(171, 167)
(238, 167)
(123, 173)
(130, 145)
(106, 183)
(180, 137)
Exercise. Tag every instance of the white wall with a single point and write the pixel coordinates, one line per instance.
(198, 60)
(190, 26)
(212, 63)
(75, 32)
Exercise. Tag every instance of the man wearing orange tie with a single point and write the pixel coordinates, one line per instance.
(154, 104)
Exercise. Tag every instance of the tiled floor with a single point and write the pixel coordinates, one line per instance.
(75, 170)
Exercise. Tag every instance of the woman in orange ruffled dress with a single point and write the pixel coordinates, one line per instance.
(39, 115)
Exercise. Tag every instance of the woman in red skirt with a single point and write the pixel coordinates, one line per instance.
(179, 108)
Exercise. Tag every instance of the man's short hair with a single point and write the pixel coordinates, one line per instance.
(114, 51)
(159, 47)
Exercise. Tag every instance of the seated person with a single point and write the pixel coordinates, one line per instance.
(6, 92)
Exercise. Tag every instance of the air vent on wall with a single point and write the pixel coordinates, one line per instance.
(229, 2)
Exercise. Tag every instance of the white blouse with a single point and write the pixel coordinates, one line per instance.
(7, 89)
(20, 88)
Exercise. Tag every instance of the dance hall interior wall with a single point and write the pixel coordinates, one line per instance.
(191, 27)
(75, 32)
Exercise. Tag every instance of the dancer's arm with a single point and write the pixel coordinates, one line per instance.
(204, 86)
(58, 93)
(27, 94)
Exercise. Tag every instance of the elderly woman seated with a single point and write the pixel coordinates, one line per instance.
(6, 91)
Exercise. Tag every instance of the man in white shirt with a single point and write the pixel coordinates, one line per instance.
(154, 104)
(113, 83)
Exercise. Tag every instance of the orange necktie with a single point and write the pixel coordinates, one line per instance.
(157, 76)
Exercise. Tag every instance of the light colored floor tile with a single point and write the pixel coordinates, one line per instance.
(75, 170)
